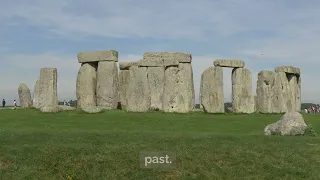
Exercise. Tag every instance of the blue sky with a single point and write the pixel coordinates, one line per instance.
(37, 33)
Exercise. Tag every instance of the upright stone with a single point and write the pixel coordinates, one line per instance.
(178, 94)
(124, 76)
(242, 97)
(298, 94)
(266, 99)
(36, 94)
(156, 83)
(24, 96)
(211, 90)
(107, 85)
(48, 98)
(138, 94)
(86, 85)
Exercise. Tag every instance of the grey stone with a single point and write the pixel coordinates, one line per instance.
(178, 94)
(151, 62)
(107, 85)
(288, 69)
(138, 93)
(86, 85)
(66, 108)
(95, 56)
(49, 109)
(124, 76)
(232, 63)
(36, 92)
(211, 90)
(48, 98)
(127, 65)
(242, 96)
(92, 109)
(181, 57)
(24, 96)
(156, 83)
(291, 124)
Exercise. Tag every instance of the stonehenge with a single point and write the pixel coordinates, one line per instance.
(211, 87)
(164, 81)
(279, 91)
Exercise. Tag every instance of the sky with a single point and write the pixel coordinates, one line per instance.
(263, 33)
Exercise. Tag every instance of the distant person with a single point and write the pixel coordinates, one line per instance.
(14, 104)
(3, 103)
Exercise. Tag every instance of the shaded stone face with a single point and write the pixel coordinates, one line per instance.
(266, 99)
(95, 56)
(107, 85)
(127, 65)
(138, 93)
(242, 97)
(24, 96)
(124, 76)
(211, 90)
(48, 98)
(229, 63)
(156, 83)
(86, 85)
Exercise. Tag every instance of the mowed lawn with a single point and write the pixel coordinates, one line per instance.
(74, 145)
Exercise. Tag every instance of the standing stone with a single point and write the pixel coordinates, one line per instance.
(24, 96)
(211, 90)
(107, 85)
(124, 76)
(282, 93)
(156, 83)
(242, 97)
(138, 93)
(48, 98)
(266, 99)
(298, 94)
(178, 94)
(36, 94)
(86, 85)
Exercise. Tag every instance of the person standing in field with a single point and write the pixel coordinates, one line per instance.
(14, 104)
(3, 103)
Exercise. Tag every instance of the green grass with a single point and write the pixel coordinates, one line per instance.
(107, 146)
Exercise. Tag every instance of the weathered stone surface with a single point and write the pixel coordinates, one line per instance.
(124, 76)
(255, 103)
(178, 94)
(168, 56)
(229, 63)
(48, 98)
(66, 108)
(49, 109)
(95, 56)
(266, 100)
(86, 85)
(156, 83)
(298, 94)
(211, 90)
(151, 62)
(92, 109)
(288, 69)
(283, 92)
(107, 85)
(291, 124)
(138, 93)
(24, 96)
(242, 97)
(127, 65)
(36, 92)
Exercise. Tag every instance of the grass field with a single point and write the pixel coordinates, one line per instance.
(74, 145)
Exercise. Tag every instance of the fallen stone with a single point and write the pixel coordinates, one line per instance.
(127, 65)
(211, 90)
(49, 109)
(95, 56)
(138, 93)
(242, 96)
(48, 98)
(36, 92)
(107, 85)
(291, 124)
(124, 76)
(86, 85)
(66, 108)
(229, 63)
(24, 96)
(156, 83)
(92, 109)
(288, 69)
(178, 94)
